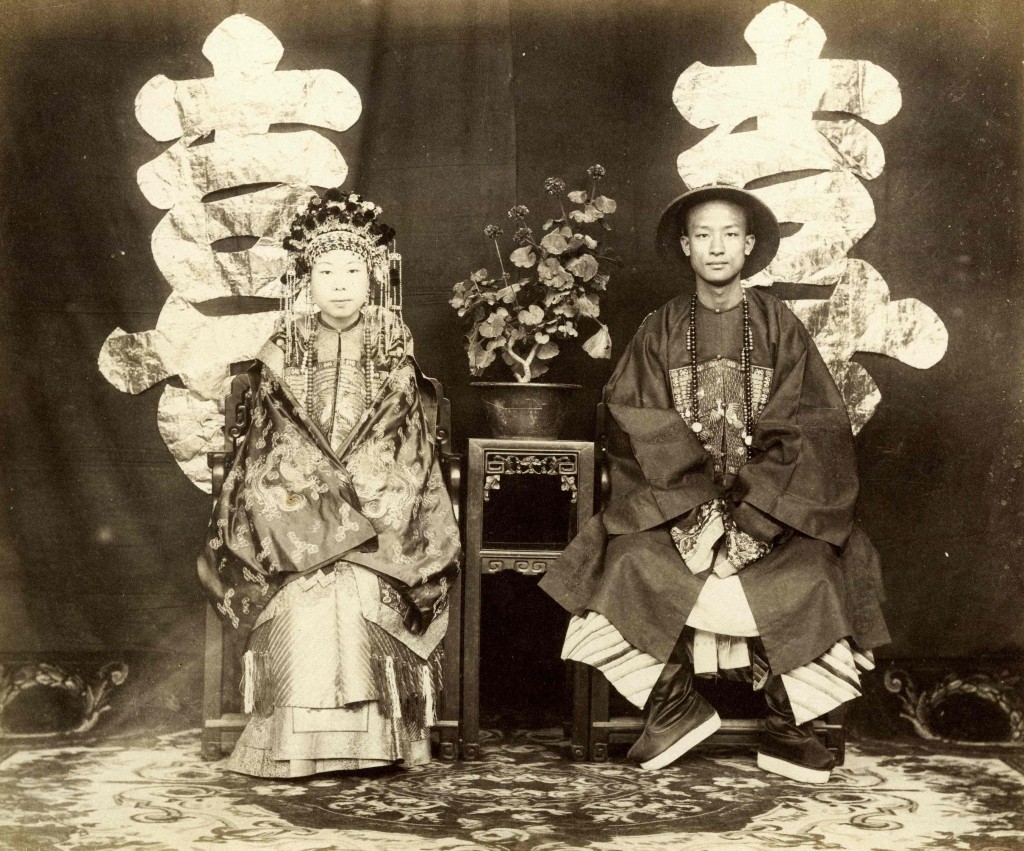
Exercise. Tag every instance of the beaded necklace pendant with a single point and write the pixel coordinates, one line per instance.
(746, 365)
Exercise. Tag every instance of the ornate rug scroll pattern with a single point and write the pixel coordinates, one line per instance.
(523, 794)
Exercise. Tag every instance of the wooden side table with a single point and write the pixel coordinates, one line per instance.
(525, 500)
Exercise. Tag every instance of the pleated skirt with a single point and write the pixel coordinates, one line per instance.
(323, 687)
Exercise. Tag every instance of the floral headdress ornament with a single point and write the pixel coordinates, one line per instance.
(339, 219)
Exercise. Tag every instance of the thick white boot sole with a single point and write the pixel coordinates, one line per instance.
(800, 773)
(690, 740)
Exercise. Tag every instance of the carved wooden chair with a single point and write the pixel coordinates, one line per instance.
(223, 719)
(604, 730)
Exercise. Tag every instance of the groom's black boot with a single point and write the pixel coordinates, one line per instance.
(676, 718)
(787, 748)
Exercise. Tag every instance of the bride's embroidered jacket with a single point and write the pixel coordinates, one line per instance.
(292, 504)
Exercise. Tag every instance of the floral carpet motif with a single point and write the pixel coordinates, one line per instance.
(157, 793)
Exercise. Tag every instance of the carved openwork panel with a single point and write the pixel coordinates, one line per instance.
(529, 503)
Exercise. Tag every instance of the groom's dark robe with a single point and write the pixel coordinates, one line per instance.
(797, 491)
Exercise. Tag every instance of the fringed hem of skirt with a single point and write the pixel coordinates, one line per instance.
(410, 692)
(408, 686)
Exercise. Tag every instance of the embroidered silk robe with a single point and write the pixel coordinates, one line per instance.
(292, 504)
(797, 491)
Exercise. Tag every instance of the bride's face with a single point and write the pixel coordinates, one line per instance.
(340, 282)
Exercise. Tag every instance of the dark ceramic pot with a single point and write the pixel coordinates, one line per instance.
(533, 409)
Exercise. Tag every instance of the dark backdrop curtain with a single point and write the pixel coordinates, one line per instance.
(467, 107)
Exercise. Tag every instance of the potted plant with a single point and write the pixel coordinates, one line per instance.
(522, 319)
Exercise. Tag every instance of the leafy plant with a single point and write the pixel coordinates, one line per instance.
(525, 321)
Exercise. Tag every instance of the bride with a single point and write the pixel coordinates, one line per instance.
(333, 540)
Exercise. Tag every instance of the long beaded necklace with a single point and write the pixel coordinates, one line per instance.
(745, 365)
(368, 360)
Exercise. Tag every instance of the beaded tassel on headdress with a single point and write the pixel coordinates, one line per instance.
(393, 295)
(395, 279)
(288, 312)
(309, 354)
(379, 335)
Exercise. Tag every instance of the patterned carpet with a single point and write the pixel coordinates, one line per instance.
(157, 794)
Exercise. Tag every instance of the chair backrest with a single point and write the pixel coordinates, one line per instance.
(439, 412)
(237, 415)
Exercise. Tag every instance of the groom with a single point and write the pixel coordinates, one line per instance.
(728, 545)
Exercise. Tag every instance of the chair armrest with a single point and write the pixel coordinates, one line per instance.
(601, 470)
(451, 469)
(218, 463)
(604, 482)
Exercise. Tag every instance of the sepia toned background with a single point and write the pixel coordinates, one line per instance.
(466, 108)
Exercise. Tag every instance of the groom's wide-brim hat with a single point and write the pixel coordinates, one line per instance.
(763, 225)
